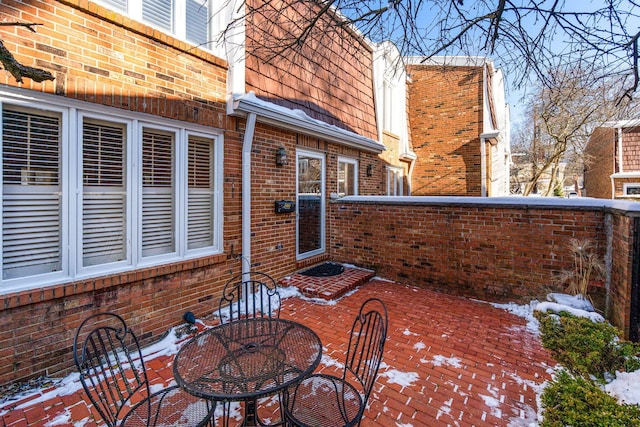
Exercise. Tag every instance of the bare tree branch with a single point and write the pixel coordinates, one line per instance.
(18, 71)
(30, 26)
(527, 38)
(15, 68)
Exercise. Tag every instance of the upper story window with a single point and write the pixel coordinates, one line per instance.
(97, 192)
(189, 20)
(347, 176)
(388, 92)
(632, 190)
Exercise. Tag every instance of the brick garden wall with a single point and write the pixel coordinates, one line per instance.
(492, 250)
(622, 229)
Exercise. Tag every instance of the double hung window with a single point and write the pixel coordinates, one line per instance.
(347, 177)
(87, 193)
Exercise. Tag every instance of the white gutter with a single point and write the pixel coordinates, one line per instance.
(298, 121)
(246, 192)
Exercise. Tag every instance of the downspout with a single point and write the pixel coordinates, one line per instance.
(246, 192)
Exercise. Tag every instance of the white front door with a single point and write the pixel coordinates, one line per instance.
(310, 203)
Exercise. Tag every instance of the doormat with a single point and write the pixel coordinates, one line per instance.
(324, 270)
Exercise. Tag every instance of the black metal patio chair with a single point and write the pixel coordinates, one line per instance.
(323, 400)
(249, 295)
(112, 372)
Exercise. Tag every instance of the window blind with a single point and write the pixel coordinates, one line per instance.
(104, 193)
(158, 193)
(31, 195)
(197, 22)
(201, 191)
(159, 13)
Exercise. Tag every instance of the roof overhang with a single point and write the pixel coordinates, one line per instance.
(298, 121)
(622, 124)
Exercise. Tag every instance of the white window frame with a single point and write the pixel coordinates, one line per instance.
(72, 113)
(134, 8)
(302, 167)
(395, 181)
(630, 185)
(353, 162)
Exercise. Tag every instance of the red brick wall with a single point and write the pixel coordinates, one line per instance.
(599, 163)
(487, 251)
(112, 63)
(622, 230)
(445, 116)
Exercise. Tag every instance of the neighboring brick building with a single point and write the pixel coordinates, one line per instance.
(459, 125)
(612, 161)
(390, 79)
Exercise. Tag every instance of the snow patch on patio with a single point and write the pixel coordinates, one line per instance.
(439, 360)
(404, 379)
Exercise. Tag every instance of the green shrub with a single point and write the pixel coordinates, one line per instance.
(585, 347)
(576, 401)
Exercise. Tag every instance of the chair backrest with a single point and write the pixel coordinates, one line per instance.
(366, 344)
(108, 357)
(249, 295)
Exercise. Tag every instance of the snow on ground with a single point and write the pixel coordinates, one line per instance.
(626, 386)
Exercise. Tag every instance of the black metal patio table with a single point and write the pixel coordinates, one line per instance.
(247, 359)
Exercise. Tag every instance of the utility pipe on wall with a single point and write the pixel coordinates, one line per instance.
(246, 192)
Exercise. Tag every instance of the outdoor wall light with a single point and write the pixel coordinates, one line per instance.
(281, 157)
(369, 170)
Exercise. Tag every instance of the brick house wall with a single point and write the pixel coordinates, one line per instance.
(603, 161)
(446, 120)
(101, 57)
(392, 157)
(486, 250)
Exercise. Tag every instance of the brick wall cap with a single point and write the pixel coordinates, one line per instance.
(524, 202)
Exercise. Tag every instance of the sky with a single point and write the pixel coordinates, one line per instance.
(625, 387)
(515, 95)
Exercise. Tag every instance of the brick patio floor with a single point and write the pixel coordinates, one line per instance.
(448, 361)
